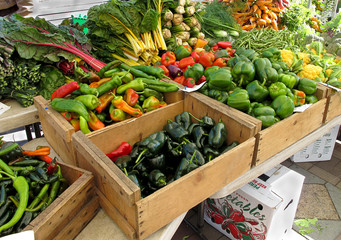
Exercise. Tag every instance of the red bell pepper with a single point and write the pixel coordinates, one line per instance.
(220, 62)
(65, 90)
(189, 82)
(180, 79)
(215, 47)
(207, 59)
(165, 69)
(196, 56)
(185, 62)
(224, 44)
(124, 149)
(131, 96)
(168, 58)
(201, 80)
(176, 64)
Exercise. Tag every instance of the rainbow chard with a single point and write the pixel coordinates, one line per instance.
(41, 40)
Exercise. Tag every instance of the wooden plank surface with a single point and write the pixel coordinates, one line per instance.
(17, 116)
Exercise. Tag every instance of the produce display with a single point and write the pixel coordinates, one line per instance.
(183, 145)
(30, 182)
(261, 57)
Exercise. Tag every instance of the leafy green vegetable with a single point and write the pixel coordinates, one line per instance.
(51, 80)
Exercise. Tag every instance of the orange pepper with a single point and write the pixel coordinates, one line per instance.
(75, 124)
(119, 103)
(38, 152)
(94, 122)
(99, 83)
(105, 100)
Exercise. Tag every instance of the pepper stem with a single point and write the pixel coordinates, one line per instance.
(241, 81)
(139, 157)
(193, 156)
(199, 120)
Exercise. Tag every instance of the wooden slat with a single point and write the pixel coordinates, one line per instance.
(334, 106)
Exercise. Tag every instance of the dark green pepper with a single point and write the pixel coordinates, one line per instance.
(184, 167)
(195, 72)
(243, 73)
(191, 151)
(217, 135)
(157, 162)
(157, 179)
(307, 85)
(283, 106)
(229, 147)
(256, 91)
(210, 153)
(199, 135)
(218, 95)
(239, 99)
(10, 151)
(184, 119)
(273, 54)
(152, 145)
(176, 131)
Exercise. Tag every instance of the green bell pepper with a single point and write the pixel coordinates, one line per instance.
(288, 80)
(243, 73)
(221, 53)
(195, 72)
(220, 80)
(249, 53)
(273, 54)
(184, 119)
(266, 114)
(239, 99)
(218, 95)
(266, 74)
(181, 52)
(307, 85)
(277, 67)
(210, 70)
(284, 66)
(311, 99)
(276, 89)
(234, 60)
(256, 91)
(283, 106)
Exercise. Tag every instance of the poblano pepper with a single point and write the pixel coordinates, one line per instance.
(157, 179)
(152, 145)
(191, 151)
(217, 135)
(176, 131)
(239, 99)
(184, 119)
(199, 135)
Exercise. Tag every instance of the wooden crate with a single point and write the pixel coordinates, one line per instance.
(333, 105)
(58, 131)
(121, 198)
(281, 135)
(71, 211)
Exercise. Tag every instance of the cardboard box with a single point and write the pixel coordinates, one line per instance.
(121, 198)
(71, 211)
(58, 131)
(321, 150)
(264, 208)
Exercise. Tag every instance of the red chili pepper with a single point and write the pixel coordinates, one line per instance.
(94, 122)
(189, 82)
(207, 59)
(234, 231)
(224, 44)
(176, 63)
(220, 62)
(66, 115)
(185, 62)
(196, 56)
(131, 97)
(201, 80)
(53, 165)
(180, 79)
(165, 69)
(124, 149)
(168, 58)
(64, 90)
(237, 216)
(215, 47)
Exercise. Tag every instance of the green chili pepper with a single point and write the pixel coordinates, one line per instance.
(86, 89)
(136, 84)
(111, 84)
(160, 86)
(89, 100)
(151, 70)
(110, 72)
(83, 125)
(147, 92)
(125, 76)
(107, 67)
(7, 149)
(136, 72)
(70, 105)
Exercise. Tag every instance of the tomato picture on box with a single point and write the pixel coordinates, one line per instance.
(262, 209)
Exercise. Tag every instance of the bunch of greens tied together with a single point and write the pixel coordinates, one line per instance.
(181, 147)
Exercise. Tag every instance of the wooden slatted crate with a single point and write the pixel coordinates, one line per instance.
(58, 131)
(71, 211)
(333, 105)
(121, 198)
